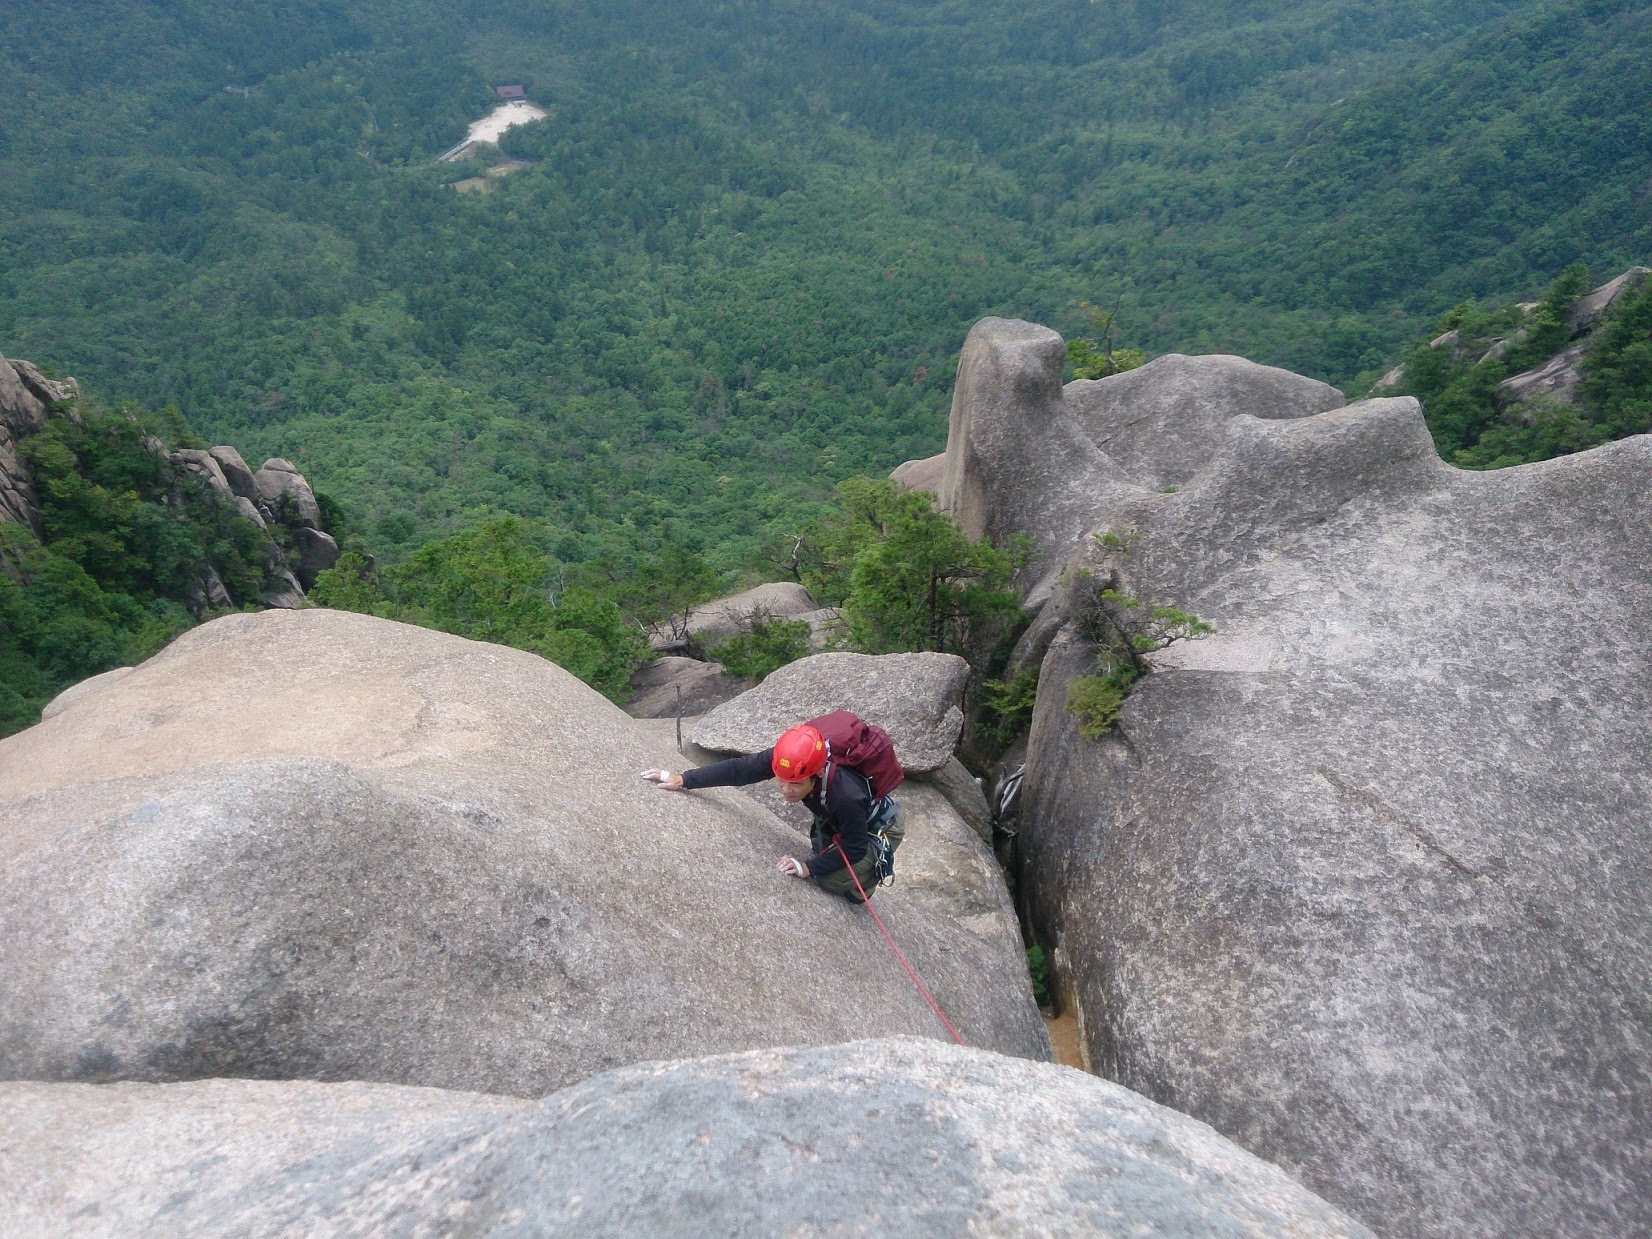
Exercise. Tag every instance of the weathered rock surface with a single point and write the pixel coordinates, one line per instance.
(1016, 460)
(282, 494)
(281, 589)
(1025, 455)
(1592, 306)
(1558, 378)
(703, 686)
(927, 474)
(1364, 880)
(891, 1137)
(964, 794)
(724, 617)
(202, 465)
(236, 471)
(914, 697)
(1163, 421)
(325, 845)
(317, 552)
(827, 629)
(22, 413)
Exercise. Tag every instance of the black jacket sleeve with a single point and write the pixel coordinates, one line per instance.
(847, 808)
(735, 772)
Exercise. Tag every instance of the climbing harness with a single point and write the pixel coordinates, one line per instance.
(866, 902)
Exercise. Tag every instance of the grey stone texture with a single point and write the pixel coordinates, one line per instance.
(1364, 880)
(22, 413)
(1161, 422)
(202, 465)
(317, 552)
(1027, 456)
(896, 1136)
(703, 686)
(926, 474)
(914, 697)
(323, 845)
(1016, 461)
(236, 471)
(1558, 378)
(282, 495)
(724, 617)
(963, 793)
(282, 590)
(1592, 307)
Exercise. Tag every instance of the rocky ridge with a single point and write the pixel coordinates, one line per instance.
(1357, 880)
(275, 497)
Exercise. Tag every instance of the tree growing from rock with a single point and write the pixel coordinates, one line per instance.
(1125, 631)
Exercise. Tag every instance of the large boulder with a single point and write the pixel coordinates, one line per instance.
(282, 495)
(926, 474)
(1593, 305)
(891, 1137)
(1016, 460)
(317, 552)
(236, 472)
(1364, 880)
(672, 686)
(1163, 421)
(319, 844)
(1558, 378)
(724, 617)
(1026, 455)
(914, 697)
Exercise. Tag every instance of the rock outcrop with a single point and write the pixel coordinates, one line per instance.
(1015, 461)
(1558, 378)
(1027, 456)
(926, 474)
(26, 397)
(892, 1137)
(914, 697)
(1363, 879)
(724, 617)
(325, 845)
(1163, 421)
(671, 686)
(1592, 306)
(276, 495)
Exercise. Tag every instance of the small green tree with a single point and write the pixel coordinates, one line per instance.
(491, 583)
(1097, 358)
(1124, 631)
(766, 643)
(907, 576)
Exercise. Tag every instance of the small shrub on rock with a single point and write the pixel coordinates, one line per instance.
(767, 644)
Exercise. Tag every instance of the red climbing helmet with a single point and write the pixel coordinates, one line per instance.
(799, 754)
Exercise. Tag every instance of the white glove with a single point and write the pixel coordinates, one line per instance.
(671, 782)
(792, 867)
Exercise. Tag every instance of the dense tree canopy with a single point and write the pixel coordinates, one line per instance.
(734, 265)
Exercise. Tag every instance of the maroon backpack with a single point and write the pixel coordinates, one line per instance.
(863, 748)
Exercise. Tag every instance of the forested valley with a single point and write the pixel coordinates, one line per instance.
(733, 267)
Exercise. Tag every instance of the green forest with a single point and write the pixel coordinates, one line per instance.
(734, 265)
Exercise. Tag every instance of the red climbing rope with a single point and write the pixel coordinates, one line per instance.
(866, 902)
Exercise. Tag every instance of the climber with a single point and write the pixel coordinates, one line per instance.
(843, 771)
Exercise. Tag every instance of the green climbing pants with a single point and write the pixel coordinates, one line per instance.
(892, 826)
